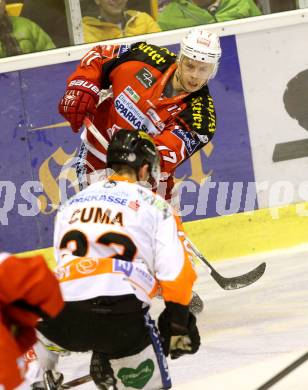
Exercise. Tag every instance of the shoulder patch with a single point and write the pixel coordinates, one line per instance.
(145, 77)
(200, 114)
(156, 201)
(191, 143)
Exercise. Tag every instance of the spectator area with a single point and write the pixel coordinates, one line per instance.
(14, 9)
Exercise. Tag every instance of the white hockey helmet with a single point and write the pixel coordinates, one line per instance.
(202, 45)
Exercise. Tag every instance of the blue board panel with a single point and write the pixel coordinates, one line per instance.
(38, 146)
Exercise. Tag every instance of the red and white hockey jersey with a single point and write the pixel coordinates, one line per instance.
(117, 237)
(139, 77)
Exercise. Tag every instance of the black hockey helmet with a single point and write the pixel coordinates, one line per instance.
(134, 148)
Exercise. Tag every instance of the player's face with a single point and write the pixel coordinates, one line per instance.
(194, 74)
(112, 7)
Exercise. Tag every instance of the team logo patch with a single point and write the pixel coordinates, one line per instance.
(157, 202)
(190, 142)
(145, 77)
(132, 94)
(123, 266)
(134, 205)
(204, 41)
(156, 119)
(86, 266)
(123, 49)
(138, 377)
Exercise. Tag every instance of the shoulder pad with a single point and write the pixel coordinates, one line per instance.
(158, 57)
(200, 114)
(155, 201)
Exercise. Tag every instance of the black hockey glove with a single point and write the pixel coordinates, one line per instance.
(178, 340)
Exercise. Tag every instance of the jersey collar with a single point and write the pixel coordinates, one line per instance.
(120, 178)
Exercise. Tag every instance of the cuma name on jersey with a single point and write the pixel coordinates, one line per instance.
(131, 113)
(96, 215)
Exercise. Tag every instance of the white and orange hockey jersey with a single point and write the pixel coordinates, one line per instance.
(117, 237)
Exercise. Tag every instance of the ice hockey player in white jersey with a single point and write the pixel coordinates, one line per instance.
(117, 245)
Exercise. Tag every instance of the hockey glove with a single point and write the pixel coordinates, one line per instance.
(79, 101)
(176, 339)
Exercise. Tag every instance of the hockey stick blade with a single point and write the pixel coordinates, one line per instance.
(240, 281)
(234, 282)
(56, 384)
(51, 382)
(76, 382)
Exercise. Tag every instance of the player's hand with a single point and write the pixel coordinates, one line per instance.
(79, 101)
(178, 340)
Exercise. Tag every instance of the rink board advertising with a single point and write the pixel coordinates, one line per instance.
(38, 150)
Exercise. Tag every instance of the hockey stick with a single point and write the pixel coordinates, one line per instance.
(284, 372)
(51, 383)
(76, 382)
(234, 282)
(94, 131)
(226, 283)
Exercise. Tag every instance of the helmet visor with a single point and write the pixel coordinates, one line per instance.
(196, 69)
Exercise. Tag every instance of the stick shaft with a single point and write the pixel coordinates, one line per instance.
(284, 372)
(95, 132)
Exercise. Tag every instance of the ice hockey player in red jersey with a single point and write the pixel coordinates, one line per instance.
(28, 290)
(117, 245)
(152, 90)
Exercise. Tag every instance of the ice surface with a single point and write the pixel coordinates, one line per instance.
(248, 335)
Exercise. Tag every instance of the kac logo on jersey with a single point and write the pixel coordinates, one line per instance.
(190, 142)
(145, 77)
(123, 266)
